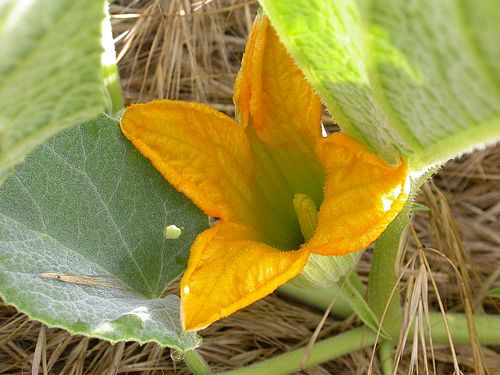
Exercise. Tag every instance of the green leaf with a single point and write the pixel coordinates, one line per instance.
(353, 296)
(415, 206)
(415, 78)
(50, 69)
(87, 203)
(494, 293)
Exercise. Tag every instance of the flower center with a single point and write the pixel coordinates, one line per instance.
(281, 174)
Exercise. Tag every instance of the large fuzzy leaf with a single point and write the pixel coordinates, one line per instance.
(415, 78)
(50, 71)
(87, 203)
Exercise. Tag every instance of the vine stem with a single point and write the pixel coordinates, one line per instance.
(196, 363)
(488, 329)
(386, 354)
(318, 297)
(289, 362)
(383, 295)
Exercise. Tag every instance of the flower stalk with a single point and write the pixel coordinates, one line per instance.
(383, 293)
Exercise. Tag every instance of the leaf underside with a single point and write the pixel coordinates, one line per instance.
(87, 203)
(414, 78)
(50, 69)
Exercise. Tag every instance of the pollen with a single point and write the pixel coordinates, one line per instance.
(172, 232)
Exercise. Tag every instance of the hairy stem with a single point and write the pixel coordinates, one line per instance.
(383, 292)
(196, 363)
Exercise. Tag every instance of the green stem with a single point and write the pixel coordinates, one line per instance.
(325, 350)
(196, 363)
(386, 355)
(319, 298)
(110, 74)
(383, 290)
(487, 326)
(113, 88)
(488, 330)
(383, 293)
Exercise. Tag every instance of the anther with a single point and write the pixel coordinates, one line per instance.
(307, 214)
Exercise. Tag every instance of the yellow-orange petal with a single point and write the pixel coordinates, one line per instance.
(228, 271)
(362, 196)
(201, 152)
(272, 94)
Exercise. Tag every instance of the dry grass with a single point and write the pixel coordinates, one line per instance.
(191, 50)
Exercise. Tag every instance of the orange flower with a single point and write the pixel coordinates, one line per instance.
(248, 173)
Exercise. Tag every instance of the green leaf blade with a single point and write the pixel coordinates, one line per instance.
(87, 203)
(50, 64)
(494, 293)
(416, 79)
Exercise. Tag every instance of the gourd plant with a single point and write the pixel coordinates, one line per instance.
(92, 232)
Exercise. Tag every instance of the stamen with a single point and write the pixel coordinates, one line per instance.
(307, 214)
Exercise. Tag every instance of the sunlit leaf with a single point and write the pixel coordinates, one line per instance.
(414, 78)
(50, 71)
(494, 293)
